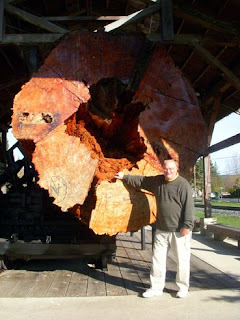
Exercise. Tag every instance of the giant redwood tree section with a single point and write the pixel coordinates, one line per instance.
(98, 105)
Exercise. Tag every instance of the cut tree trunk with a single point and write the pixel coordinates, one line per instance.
(101, 104)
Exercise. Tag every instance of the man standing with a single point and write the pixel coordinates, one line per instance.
(174, 222)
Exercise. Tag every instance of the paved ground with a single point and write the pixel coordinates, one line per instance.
(209, 304)
(223, 304)
(224, 256)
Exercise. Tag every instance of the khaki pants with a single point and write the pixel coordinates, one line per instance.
(181, 246)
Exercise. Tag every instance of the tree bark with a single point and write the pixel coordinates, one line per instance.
(81, 121)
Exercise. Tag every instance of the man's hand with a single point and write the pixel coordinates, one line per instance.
(184, 231)
(119, 175)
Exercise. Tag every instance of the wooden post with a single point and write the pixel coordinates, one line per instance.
(1, 19)
(143, 244)
(167, 20)
(207, 187)
(195, 182)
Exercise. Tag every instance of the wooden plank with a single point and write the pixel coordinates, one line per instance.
(6, 286)
(210, 277)
(9, 279)
(35, 20)
(140, 266)
(22, 287)
(96, 283)
(131, 278)
(30, 38)
(60, 284)
(84, 18)
(41, 284)
(77, 287)
(124, 262)
(224, 144)
(233, 79)
(114, 281)
(133, 283)
(79, 279)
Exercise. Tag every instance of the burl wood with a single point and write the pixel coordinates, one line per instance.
(81, 121)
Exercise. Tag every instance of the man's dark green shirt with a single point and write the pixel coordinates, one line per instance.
(175, 206)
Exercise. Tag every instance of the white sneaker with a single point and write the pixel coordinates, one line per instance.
(182, 294)
(149, 293)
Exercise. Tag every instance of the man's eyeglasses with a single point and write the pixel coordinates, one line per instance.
(169, 169)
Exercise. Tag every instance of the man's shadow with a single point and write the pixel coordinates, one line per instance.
(141, 213)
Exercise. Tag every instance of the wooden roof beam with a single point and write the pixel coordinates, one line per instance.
(222, 105)
(35, 20)
(182, 39)
(187, 60)
(186, 39)
(84, 18)
(221, 87)
(231, 95)
(167, 20)
(232, 78)
(224, 144)
(204, 20)
(207, 68)
(29, 39)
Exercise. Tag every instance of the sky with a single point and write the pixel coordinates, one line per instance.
(228, 159)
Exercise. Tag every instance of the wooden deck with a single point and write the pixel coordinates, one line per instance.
(128, 274)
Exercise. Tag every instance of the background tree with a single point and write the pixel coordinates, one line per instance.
(199, 174)
(232, 164)
(237, 187)
(216, 180)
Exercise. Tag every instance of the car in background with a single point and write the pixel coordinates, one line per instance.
(225, 195)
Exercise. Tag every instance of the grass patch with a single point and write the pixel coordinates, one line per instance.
(223, 203)
(222, 219)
